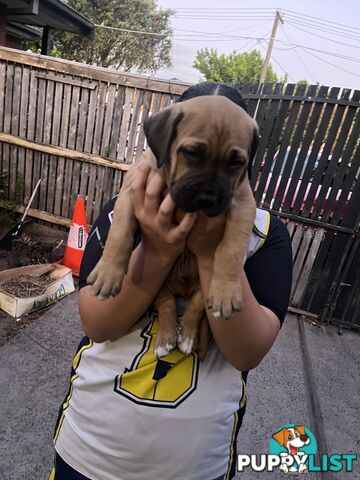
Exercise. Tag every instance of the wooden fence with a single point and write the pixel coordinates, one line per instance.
(78, 128)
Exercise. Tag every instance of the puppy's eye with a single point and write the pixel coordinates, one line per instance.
(235, 161)
(192, 155)
(290, 437)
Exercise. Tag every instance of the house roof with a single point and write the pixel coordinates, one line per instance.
(24, 32)
(45, 13)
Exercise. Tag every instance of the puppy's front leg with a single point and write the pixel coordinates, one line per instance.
(166, 336)
(225, 293)
(107, 277)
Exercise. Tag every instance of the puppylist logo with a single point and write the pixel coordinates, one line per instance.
(292, 450)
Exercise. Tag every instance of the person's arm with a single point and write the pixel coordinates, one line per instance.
(161, 243)
(247, 336)
(110, 319)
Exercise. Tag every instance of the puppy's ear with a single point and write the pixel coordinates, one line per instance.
(280, 436)
(253, 148)
(160, 131)
(300, 429)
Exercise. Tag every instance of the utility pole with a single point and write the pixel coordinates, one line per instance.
(269, 49)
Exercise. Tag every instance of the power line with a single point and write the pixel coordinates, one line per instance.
(131, 31)
(298, 55)
(332, 31)
(274, 59)
(235, 37)
(332, 64)
(215, 34)
(320, 20)
(324, 38)
(225, 9)
(225, 18)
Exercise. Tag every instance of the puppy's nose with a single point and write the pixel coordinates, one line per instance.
(207, 199)
(303, 438)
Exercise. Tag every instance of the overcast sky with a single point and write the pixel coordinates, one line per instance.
(298, 63)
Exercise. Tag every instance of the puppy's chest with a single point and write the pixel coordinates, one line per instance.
(184, 278)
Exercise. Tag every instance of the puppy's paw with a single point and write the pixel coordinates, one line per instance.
(164, 344)
(186, 341)
(106, 279)
(225, 298)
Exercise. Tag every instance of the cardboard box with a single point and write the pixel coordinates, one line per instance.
(61, 286)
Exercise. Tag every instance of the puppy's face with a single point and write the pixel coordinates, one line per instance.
(204, 146)
(292, 438)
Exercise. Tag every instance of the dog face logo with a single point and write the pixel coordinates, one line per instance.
(204, 146)
(292, 439)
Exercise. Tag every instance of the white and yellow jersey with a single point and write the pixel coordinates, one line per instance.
(129, 416)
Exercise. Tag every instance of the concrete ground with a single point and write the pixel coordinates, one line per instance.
(310, 377)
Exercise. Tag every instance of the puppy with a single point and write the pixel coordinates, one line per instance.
(202, 147)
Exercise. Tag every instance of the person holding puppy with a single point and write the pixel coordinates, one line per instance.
(131, 416)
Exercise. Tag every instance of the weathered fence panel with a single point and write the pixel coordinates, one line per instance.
(78, 128)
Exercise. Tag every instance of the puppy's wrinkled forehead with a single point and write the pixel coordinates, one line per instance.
(217, 121)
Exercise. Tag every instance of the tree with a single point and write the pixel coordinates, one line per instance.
(118, 49)
(233, 68)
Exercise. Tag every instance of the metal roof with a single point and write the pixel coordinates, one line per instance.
(45, 13)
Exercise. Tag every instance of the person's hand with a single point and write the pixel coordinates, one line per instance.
(206, 235)
(160, 233)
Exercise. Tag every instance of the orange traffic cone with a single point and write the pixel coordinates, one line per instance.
(77, 238)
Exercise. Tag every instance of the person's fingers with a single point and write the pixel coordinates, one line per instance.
(137, 191)
(186, 223)
(153, 193)
(166, 212)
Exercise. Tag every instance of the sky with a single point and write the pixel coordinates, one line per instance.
(341, 38)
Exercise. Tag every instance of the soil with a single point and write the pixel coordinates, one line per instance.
(37, 244)
(26, 285)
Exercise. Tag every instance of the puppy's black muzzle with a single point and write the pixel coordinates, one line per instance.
(209, 194)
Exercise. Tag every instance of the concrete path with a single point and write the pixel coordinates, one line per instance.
(310, 377)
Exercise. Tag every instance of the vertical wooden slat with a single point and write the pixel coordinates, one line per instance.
(145, 112)
(88, 177)
(129, 94)
(294, 150)
(108, 118)
(351, 157)
(7, 126)
(106, 145)
(39, 131)
(15, 180)
(134, 125)
(264, 118)
(79, 169)
(64, 130)
(321, 178)
(281, 138)
(2, 95)
(30, 135)
(55, 139)
(318, 141)
(117, 116)
(337, 166)
(266, 137)
(49, 102)
(305, 272)
(67, 208)
(24, 105)
(304, 154)
(94, 196)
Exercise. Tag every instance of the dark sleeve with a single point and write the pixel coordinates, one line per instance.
(269, 270)
(96, 241)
